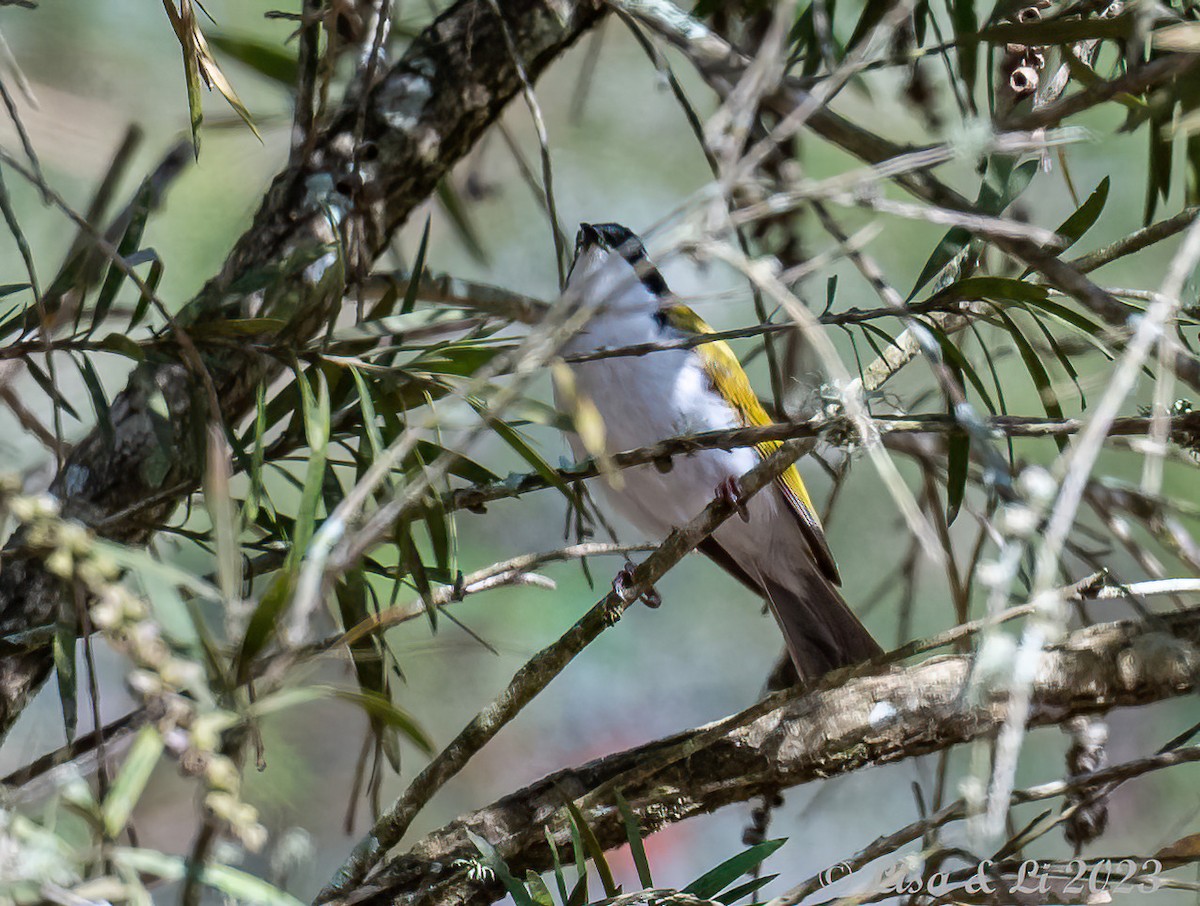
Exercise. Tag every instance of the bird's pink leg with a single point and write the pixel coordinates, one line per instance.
(730, 490)
(623, 586)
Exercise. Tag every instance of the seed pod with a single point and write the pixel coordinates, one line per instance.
(1023, 81)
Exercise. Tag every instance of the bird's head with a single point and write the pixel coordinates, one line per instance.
(611, 270)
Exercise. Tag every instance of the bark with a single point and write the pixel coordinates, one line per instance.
(868, 720)
(379, 156)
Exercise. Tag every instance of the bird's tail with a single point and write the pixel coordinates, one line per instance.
(821, 631)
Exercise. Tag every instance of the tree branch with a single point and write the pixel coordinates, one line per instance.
(834, 730)
(327, 215)
(1184, 429)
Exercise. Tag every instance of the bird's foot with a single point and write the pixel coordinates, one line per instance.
(730, 491)
(623, 587)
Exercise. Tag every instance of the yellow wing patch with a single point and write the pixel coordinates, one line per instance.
(730, 380)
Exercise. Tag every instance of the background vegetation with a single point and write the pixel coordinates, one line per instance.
(248, 746)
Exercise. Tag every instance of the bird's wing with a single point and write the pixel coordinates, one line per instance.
(729, 379)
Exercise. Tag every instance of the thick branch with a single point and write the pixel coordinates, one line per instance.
(362, 176)
(835, 730)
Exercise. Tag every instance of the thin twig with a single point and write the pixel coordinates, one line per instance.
(539, 670)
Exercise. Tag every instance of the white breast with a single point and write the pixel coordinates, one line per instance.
(645, 399)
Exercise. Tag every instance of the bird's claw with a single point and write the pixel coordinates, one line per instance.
(623, 585)
(730, 491)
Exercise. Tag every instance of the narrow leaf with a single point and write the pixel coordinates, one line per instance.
(633, 833)
(64, 672)
(492, 859)
(241, 886)
(316, 428)
(711, 883)
(414, 277)
(135, 773)
(1037, 372)
(218, 500)
(265, 58)
(95, 390)
(595, 851)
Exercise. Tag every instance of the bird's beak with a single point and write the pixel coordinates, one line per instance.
(587, 235)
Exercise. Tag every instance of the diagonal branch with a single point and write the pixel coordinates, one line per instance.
(539, 670)
(325, 216)
(836, 729)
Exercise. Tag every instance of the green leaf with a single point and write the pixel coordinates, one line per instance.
(999, 388)
(414, 567)
(191, 69)
(380, 708)
(121, 344)
(1158, 181)
(265, 58)
(633, 833)
(1093, 330)
(369, 419)
(1063, 359)
(153, 278)
(367, 655)
(1037, 372)
(64, 672)
(944, 252)
(257, 491)
(437, 523)
(538, 889)
(129, 784)
(711, 883)
(238, 327)
(959, 363)
(522, 448)
(397, 328)
(745, 890)
(239, 885)
(1073, 228)
(131, 239)
(1085, 216)
(963, 17)
(1001, 289)
(418, 268)
(264, 622)
(958, 461)
(95, 390)
(872, 14)
(218, 500)
(594, 850)
(559, 877)
(492, 859)
(1000, 186)
(317, 423)
(47, 385)
(579, 893)
(462, 359)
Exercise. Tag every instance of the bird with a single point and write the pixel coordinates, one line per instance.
(778, 549)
